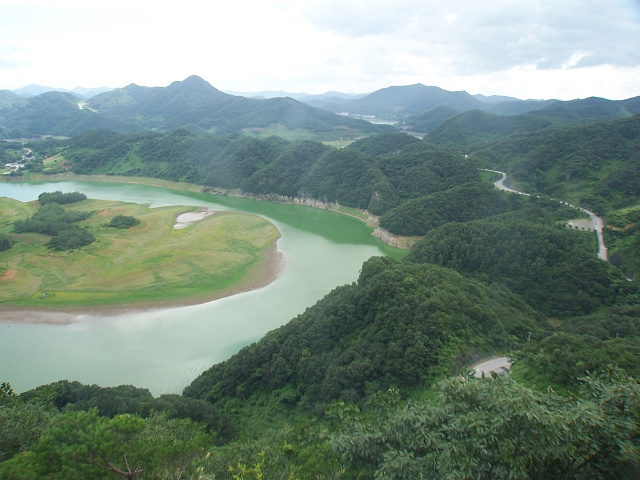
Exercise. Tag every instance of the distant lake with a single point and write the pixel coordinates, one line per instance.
(165, 349)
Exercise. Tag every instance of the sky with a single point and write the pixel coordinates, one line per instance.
(530, 49)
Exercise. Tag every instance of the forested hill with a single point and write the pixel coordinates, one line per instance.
(374, 174)
(52, 113)
(410, 100)
(596, 164)
(553, 268)
(400, 325)
(466, 288)
(467, 132)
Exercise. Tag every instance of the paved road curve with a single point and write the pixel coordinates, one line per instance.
(499, 365)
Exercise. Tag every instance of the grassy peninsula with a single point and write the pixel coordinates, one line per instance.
(150, 264)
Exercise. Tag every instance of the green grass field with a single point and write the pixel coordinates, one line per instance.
(146, 265)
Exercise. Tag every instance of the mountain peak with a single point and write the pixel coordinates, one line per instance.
(194, 82)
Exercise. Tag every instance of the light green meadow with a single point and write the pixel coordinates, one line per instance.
(151, 264)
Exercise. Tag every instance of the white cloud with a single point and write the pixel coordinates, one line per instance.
(320, 45)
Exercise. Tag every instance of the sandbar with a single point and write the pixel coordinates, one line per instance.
(186, 219)
(266, 271)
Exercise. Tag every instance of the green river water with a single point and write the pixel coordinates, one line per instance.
(165, 349)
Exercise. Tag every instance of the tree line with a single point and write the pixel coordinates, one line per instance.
(369, 174)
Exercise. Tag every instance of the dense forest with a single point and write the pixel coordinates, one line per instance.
(373, 381)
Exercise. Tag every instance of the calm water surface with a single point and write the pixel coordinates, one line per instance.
(164, 350)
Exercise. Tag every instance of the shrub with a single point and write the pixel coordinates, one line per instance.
(123, 221)
(6, 242)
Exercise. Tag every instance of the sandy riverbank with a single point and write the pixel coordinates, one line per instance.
(266, 271)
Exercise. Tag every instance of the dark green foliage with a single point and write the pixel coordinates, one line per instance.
(497, 429)
(425, 168)
(123, 221)
(590, 161)
(394, 167)
(50, 219)
(473, 129)
(585, 344)
(401, 324)
(109, 401)
(384, 144)
(71, 238)
(286, 169)
(22, 421)
(82, 445)
(10, 152)
(429, 120)
(97, 139)
(346, 176)
(200, 411)
(592, 109)
(460, 204)
(60, 198)
(127, 399)
(624, 245)
(6, 242)
(553, 268)
(595, 166)
(421, 169)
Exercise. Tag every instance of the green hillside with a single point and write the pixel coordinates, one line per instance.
(467, 131)
(475, 129)
(596, 166)
(459, 204)
(400, 325)
(425, 122)
(375, 174)
(595, 162)
(552, 267)
(53, 113)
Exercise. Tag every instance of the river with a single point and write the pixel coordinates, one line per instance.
(165, 349)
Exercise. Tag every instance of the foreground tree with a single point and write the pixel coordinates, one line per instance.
(497, 429)
(82, 445)
(22, 422)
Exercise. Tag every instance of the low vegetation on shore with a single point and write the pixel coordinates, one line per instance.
(148, 263)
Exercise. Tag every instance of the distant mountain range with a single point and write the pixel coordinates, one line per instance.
(192, 103)
(195, 104)
(82, 92)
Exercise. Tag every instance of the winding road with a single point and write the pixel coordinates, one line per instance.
(596, 221)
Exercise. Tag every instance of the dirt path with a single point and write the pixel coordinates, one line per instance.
(9, 274)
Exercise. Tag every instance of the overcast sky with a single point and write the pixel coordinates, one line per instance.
(562, 49)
